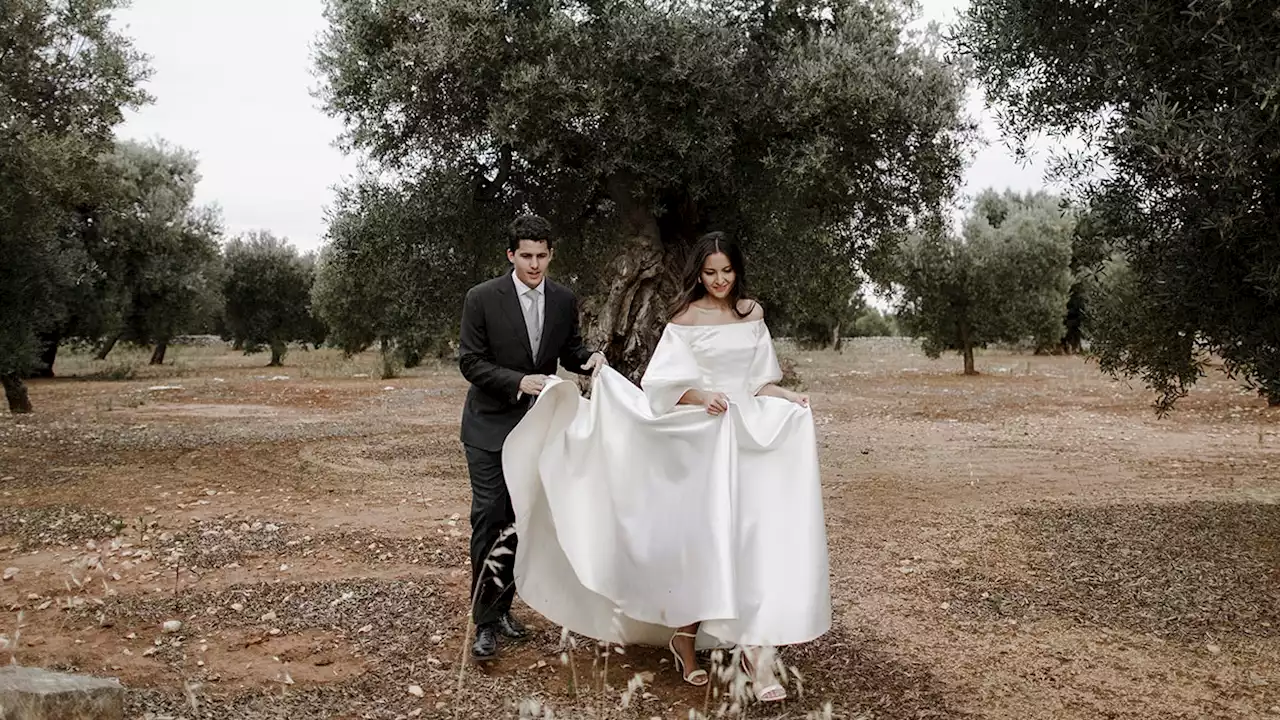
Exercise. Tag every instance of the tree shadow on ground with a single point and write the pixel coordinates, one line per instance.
(1178, 571)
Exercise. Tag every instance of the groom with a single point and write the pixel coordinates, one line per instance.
(514, 330)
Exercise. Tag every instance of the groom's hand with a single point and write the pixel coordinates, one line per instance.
(532, 384)
(594, 362)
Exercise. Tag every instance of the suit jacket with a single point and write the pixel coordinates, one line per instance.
(494, 354)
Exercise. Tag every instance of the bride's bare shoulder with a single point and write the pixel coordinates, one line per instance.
(753, 309)
(685, 317)
(693, 316)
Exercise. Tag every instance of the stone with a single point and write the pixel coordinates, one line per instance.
(28, 693)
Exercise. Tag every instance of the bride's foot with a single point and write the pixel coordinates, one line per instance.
(767, 688)
(682, 652)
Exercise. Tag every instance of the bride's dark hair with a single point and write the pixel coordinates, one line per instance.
(691, 287)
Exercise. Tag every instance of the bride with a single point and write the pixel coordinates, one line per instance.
(692, 503)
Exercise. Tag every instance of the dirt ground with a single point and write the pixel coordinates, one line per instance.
(1029, 543)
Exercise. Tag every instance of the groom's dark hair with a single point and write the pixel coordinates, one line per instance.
(528, 227)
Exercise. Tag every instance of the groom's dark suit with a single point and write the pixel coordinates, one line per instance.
(495, 353)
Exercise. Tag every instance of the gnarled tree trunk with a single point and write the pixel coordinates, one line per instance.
(107, 347)
(157, 355)
(388, 358)
(278, 349)
(966, 343)
(15, 391)
(628, 319)
(48, 354)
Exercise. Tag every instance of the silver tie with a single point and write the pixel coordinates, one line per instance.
(533, 321)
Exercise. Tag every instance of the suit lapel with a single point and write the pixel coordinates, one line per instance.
(515, 313)
(550, 312)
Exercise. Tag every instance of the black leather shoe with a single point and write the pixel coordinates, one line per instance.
(510, 627)
(486, 645)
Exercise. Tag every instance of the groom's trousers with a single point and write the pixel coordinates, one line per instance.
(491, 513)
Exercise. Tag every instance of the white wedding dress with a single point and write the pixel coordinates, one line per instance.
(636, 516)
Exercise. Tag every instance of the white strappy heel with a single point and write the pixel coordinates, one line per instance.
(773, 692)
(698, 677)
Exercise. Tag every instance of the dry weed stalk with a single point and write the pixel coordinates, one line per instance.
(566, 659)
(717, 657)
(729, 694)
(635, 685)
(190, 688)
(17, 640)
(734, 680)
(491, 564)
(604, 675)
(827, 712)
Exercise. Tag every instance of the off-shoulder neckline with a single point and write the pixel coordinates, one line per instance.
(717, 325)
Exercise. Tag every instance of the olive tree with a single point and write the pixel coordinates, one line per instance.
(1006, 278)
(1180, 106)
(65, 80)
(635, 126)
(267, 287)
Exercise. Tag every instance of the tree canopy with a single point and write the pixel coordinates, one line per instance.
(809, 287)
(389, 274)
(1005, 279)
(65, 80)
(1180, 105)
(267, 287)
(635, 126)
(160, 252)
(871, 322)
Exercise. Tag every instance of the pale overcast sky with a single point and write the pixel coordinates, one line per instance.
(232, 81)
